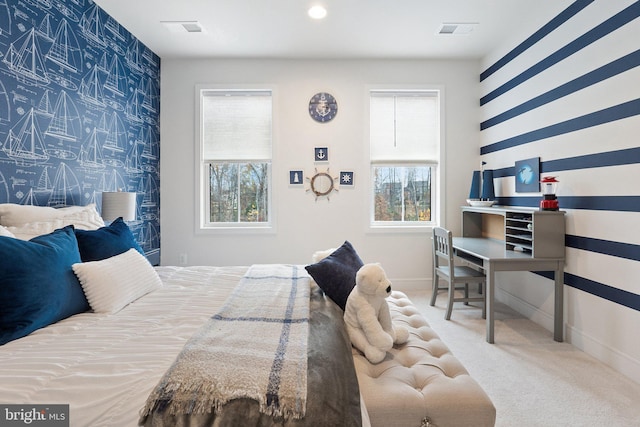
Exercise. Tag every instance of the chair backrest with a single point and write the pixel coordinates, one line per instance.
(442, 247)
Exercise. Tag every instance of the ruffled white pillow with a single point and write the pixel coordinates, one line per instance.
(86, 218)
(34, 229)
(5, 232)
(112, 283)
(81, 217)
(14, 215)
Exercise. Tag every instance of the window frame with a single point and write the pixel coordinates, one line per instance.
(404, 224)
(202, 192)
(437, 165)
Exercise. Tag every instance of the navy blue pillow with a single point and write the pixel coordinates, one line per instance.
(37, 284)
(336, 274)
(105, 242)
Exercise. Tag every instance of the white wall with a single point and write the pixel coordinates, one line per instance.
(602, 312)
(601, 327)
(304, 225)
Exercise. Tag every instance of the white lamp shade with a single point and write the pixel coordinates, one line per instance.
(118, 204)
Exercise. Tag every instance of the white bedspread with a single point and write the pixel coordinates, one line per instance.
(105, 366)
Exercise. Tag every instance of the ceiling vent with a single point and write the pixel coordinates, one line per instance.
(457, 28)
(183, 26)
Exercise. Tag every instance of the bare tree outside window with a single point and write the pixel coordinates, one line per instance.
(238, 192)
(402, 193)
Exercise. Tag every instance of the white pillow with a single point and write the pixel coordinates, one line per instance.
(15, 215)
(85, 218)
(112, 283)
(81, 217)
(5, 232)
(33, 229)
(320, 255)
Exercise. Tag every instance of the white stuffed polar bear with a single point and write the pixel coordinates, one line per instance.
(367, 314)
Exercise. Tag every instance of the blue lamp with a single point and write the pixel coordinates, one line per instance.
(488, 191)
(474, 192)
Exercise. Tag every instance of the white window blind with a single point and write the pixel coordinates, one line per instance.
(404, 126)
(236, 125)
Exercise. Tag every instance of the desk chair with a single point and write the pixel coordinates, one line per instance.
(445, 268)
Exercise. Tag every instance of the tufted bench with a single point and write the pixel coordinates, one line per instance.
(420, 383)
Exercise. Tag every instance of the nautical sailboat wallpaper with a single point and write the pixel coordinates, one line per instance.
(79, 111)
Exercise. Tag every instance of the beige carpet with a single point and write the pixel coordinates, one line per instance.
(531, 379)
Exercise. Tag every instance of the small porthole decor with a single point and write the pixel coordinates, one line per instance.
(321, 184)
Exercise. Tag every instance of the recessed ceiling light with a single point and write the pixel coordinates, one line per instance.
(317, 12)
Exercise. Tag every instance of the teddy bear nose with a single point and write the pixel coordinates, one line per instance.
(388, 289)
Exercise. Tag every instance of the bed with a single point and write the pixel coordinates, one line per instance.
(106, 354)
(111, 350)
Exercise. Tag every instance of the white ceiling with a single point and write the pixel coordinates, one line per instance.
(352, 28)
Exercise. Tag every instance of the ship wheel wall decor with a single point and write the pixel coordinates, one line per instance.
(322, 184)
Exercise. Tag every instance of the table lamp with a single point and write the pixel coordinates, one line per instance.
(118, 204)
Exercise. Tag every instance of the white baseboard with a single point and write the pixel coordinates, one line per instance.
(621, 362)
(618, 361)
(529, 311)
(411, 285)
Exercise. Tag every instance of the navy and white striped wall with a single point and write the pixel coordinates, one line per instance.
(570, 95)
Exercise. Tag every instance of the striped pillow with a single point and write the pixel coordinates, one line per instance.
(113, 283)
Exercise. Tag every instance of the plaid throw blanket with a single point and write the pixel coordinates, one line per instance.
(255, 347)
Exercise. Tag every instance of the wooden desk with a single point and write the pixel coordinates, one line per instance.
(491, 255)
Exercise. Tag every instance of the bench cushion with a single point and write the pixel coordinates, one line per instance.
(420, 380)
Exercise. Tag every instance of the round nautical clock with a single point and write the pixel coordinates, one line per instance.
(323, 107)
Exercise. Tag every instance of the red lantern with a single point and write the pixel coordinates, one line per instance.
(549, 201)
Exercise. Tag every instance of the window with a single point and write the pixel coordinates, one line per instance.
(405, 152)
(235, 158)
